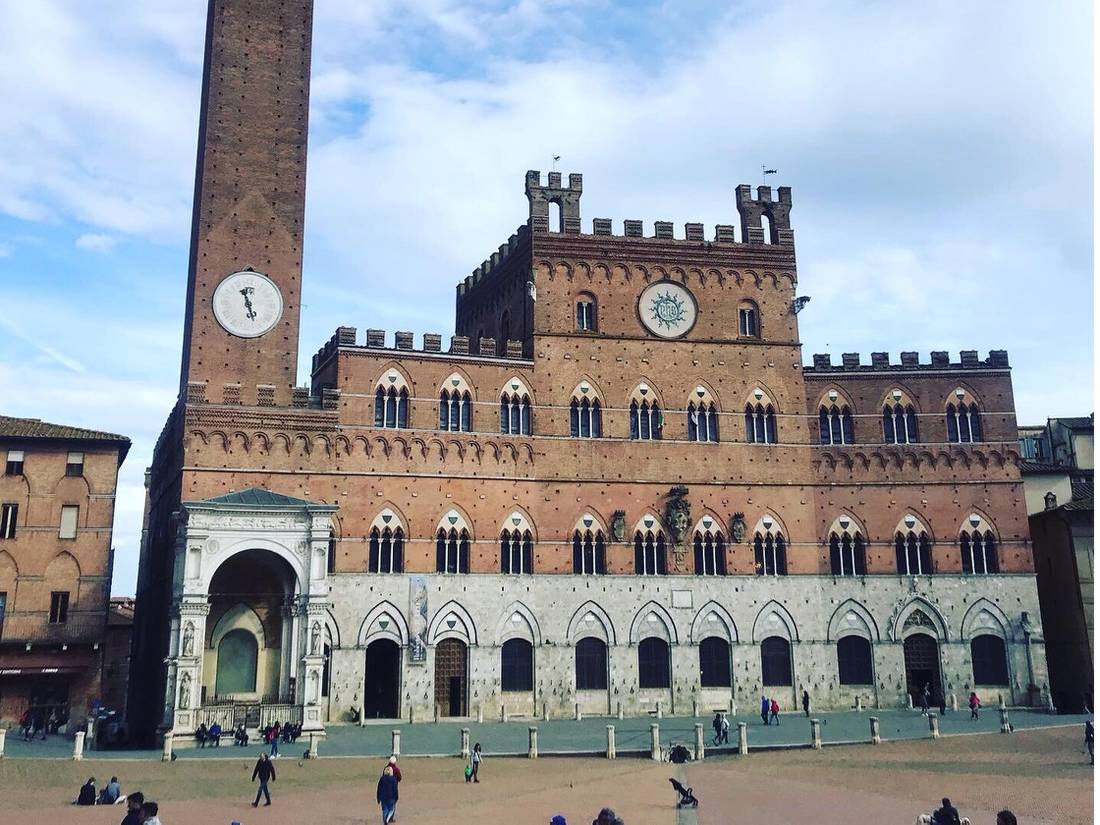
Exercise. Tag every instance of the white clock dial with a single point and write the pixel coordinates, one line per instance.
(667, 309)
(247, 304)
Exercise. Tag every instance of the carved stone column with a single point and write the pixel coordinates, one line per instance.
(187, 646)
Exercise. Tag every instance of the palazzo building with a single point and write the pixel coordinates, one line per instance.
(617, 485)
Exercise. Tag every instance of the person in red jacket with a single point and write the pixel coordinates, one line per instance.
(396, 775)
(775, 711)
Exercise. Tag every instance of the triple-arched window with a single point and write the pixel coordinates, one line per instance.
(391, 406)
(455, 410)
(760, 420)
(589, 553)
(847, 554)
(769, 549)
(899, 420)
(516, 552)
(710, 549)
(978, 546)
(585, 415)
(387, 550)
(515, 409)
(702, 417)
(452, 550)
(835, 424)
(649, 552)
(913, 549)
(964, 420)
(646, 421)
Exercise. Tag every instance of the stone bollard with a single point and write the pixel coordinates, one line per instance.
(503, 714)
(313, 740)
(620, 709)
(859, 701)
(395, 742)
(655, 742)
(410, 714)
(166, 753)
(815, 734)
(78, 746)
(610, 741)
(660, 713)
(733, 707)
(3, 738)
(464, 750)
(695, 707)
(909, 700)
(437, 714)
(742, 738)
(362, 717)
(876, 737)
(545, 711)
(1005, 726)
(954, 703)
(532, 742)
(699, 741)
(480, 714)
(933, 726)
(577, 711)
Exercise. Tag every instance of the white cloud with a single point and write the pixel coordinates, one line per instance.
(96, 242)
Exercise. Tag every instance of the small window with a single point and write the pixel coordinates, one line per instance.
(331, 555)
(9, 515)
(516, 666)
(15, 463)
(586, 314)
(748, 325)
(69, 514)
(74, 464)
(59, 607)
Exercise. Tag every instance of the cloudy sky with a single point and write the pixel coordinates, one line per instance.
(940, 155)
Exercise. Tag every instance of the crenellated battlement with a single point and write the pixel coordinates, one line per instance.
(754, 210)
(432, 345)
(880, 361)
(494, 262)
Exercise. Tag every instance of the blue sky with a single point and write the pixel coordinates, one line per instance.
(940, 156)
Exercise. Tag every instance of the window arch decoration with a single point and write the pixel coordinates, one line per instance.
(384, 621)
(899, 418)
(456, 405)
(760, 411)
(964, 418)
(653, 620)
(517, 545)
(517, 621)
(852, 619)
(919, 616)
(585, 412)
(702, 416)
(978, 546)
(585, 318)
(769, 547)
(391, 401)
(650, 547)
(709, 547)
(452, 544)
(984, 618)
(589, 546)
(913, 546)
(713, 619)
(847, 547)
(515, 408)
(774, 619)
(590, 619)
(646, 419)
(452, 621)
(836, 425)
(387, 543)
(748, 319)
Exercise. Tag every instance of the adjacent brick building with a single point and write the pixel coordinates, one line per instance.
(617, 486)
(57, 505)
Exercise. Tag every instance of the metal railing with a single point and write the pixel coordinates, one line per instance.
(253, 715)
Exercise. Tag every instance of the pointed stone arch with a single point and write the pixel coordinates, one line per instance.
(713, 619)
(919, 615)
(238, 617)
(587, 388)
(591, 620)
(452, 621)
(651, 619)
(645, 390)
(384, 621)
(984, 617)
(518, 621)
(853, 619)
(774, 620)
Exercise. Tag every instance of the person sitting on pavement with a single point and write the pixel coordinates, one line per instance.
(946, 815)
(200, 734)
(111, 792)
(87, 793)
(215, 734)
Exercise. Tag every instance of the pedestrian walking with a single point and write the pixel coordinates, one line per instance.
(925, 699)
(387, 794)
(775, 711)
(1088, 738)
(275, 740)
(975, 704)
(392, 764)
(725, 729)
(717, 725)
(806, 703)
(265, 772)
(475, 761)
(765, 707)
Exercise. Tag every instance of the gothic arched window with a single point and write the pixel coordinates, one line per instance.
(589, 554)
(649, 553)
(709, 548)
(835, 424)
(386, 550)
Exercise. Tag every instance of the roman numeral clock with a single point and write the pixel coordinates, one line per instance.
(247, 304)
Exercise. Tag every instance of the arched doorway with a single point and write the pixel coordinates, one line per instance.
(451, 677)
(922, 665)
(381, 689)
(237, 654)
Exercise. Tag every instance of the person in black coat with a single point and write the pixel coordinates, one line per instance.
(87, 793)
(946, 815)
(387, 794)
(265, 772)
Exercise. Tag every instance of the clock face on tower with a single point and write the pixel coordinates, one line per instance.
(247, 304)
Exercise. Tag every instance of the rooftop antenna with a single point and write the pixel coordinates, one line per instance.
(554, 165)
(764, 172)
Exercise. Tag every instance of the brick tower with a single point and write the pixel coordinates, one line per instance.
(249, 203)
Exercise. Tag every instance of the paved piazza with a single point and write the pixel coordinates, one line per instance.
(1040, 774)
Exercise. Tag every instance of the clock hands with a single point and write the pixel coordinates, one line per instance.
(250, 312)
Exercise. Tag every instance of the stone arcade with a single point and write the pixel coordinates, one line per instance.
(617, 488)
